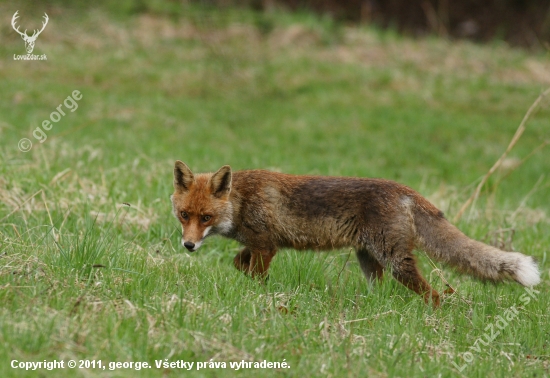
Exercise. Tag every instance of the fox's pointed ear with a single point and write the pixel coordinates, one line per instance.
(183, 177)
(220, 182)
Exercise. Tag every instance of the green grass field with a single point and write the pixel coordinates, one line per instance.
(85, 277)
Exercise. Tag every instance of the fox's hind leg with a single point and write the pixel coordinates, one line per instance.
(392, 246)
(406, 272)
(369, 265)
(398, 254)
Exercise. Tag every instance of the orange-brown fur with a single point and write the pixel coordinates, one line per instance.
(383, 220)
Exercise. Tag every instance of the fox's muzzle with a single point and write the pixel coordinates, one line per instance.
(190, 246)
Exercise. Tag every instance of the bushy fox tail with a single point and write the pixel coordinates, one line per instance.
(446, 243)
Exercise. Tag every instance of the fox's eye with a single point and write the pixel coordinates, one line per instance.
(206, 218)
(184, 215)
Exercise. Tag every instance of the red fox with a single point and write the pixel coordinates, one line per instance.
(383, 220)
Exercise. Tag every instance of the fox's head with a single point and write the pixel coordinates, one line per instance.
(201, 204)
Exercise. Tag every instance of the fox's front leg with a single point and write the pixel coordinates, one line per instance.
(259, 262)
(254, 262)
(242, 260)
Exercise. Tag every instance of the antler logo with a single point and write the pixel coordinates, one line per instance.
(29, 41)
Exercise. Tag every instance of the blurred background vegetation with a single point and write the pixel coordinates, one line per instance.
(519, 22)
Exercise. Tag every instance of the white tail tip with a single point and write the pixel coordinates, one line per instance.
(527, 272)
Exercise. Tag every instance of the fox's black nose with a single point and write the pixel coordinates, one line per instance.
(189, 245)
